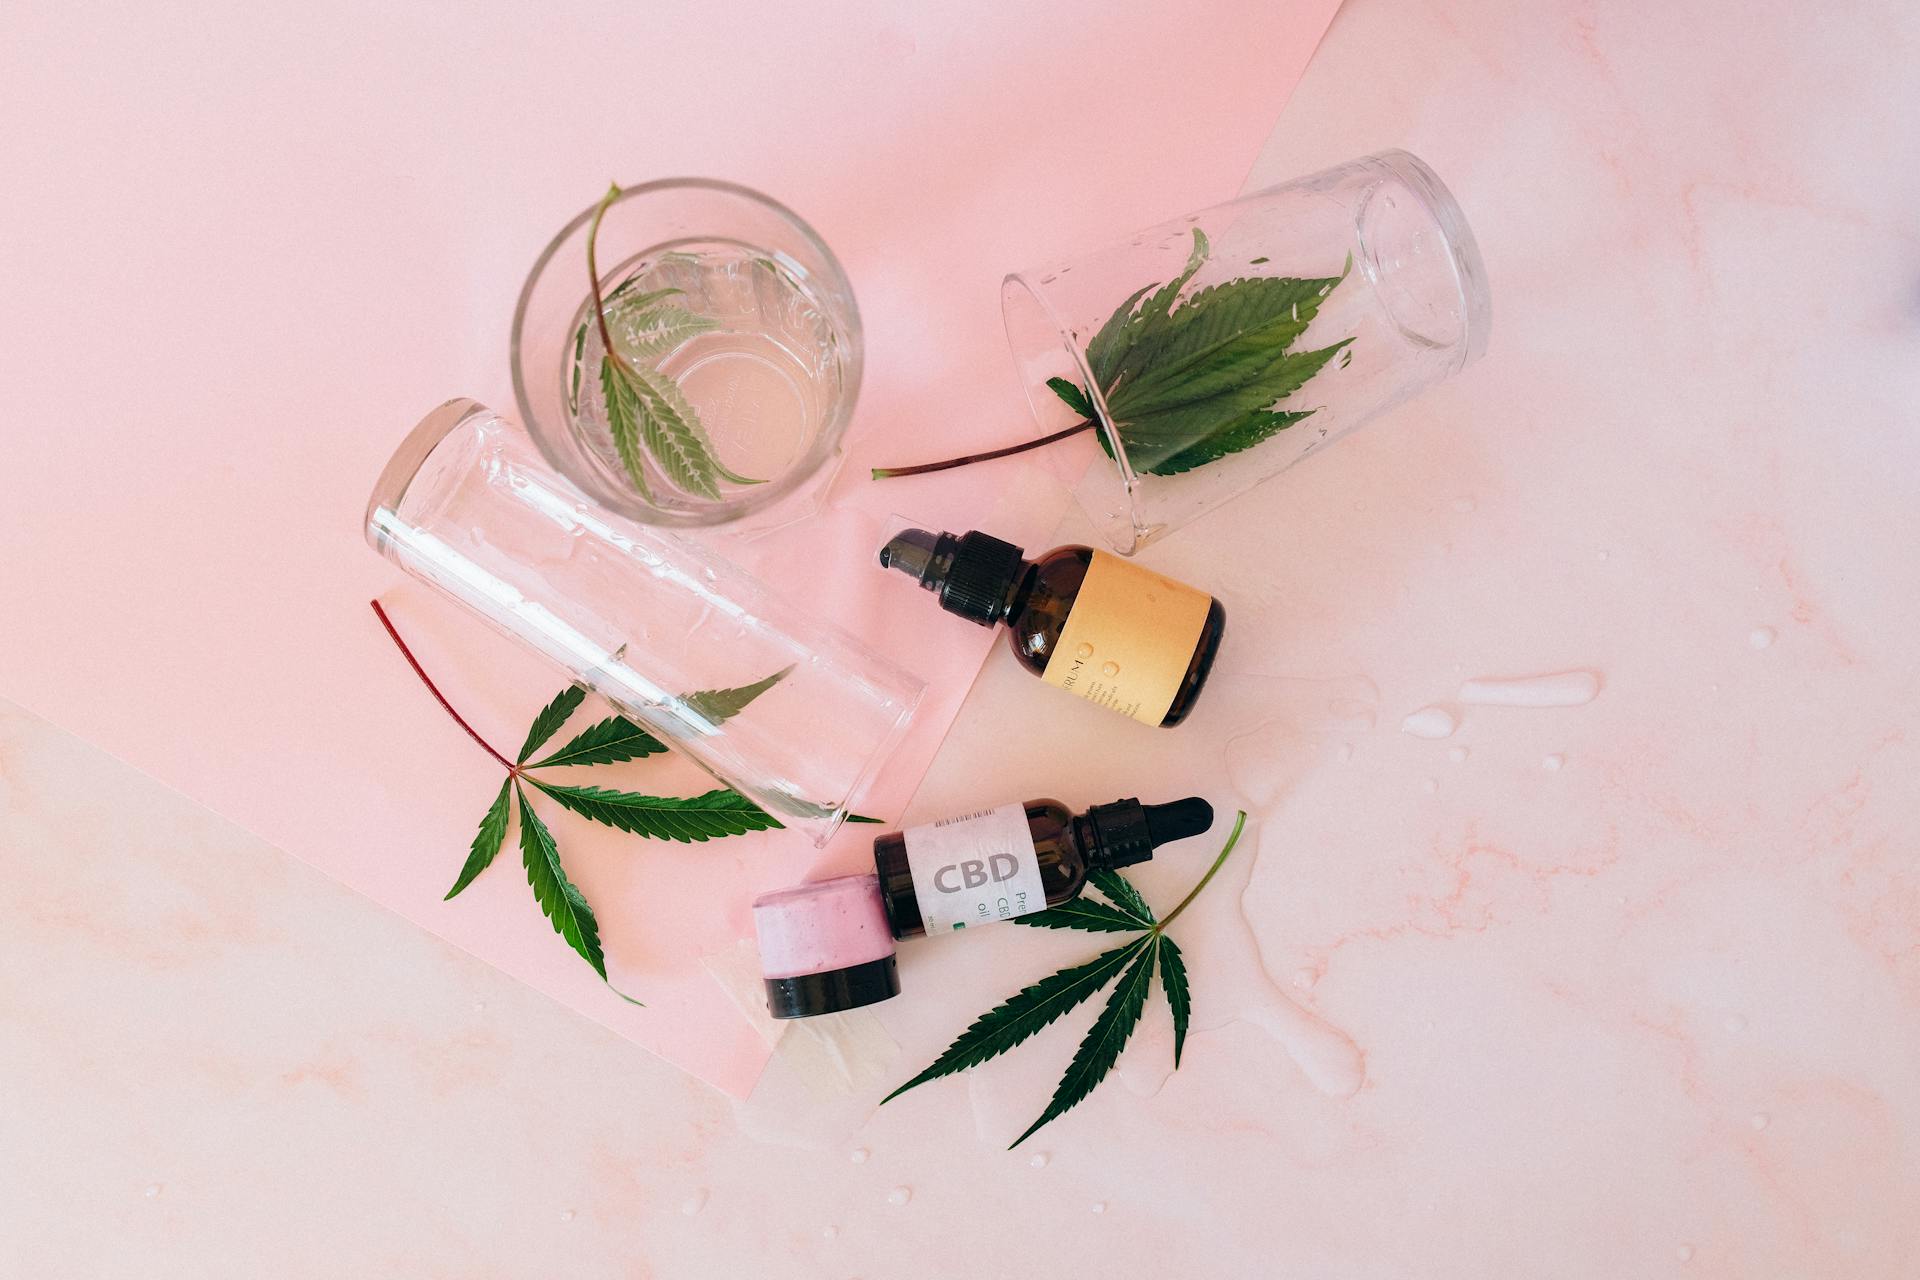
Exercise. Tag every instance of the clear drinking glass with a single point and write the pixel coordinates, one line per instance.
(758, 338)
(648, 619)
(1373, 256)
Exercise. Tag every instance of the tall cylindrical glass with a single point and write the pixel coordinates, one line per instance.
(662, 628)
(1217, 350)
(743, 327)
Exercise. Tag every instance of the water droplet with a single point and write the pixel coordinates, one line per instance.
(1556, 689)
(1684, 1253)
(1430, 785)
(1761, 637)
(153, 1189)
(566, 1215)
(1304, 977)
(1457, 754)
(1345, 753)
(829, 1232)
(695, 1202)
(1553, 763)
(1084, 651)
(858, 1155)
(1039, 1161)
(1760, 1121)
(479, 1006)
(1464, 505)
(1098, 1206)
(1110, 669)
(1602, 555)
(1430, 722)
(1735, 1023)
(899, 1195)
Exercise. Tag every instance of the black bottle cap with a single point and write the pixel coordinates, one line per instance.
(973, 573)
(834, 991)
(1128, 831)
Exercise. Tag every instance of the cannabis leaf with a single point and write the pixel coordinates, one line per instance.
(1041, 1004)
(551, 717)
(607, 741)
(724, 812)
(618, 739)
(560, 901)
(647, 414)
(1188, 382)
(487, 841)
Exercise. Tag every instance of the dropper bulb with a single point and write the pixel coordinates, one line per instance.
(1178, 819)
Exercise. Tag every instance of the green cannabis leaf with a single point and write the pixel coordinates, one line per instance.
(1038, 1006)
(647, 414)
(487, 841)
(687, 819)
(611, 740)
(1188, 381)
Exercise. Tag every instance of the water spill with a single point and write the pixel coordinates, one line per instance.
(1263, 767)
(1221, 938)
(695, 1202)
(1553, 763)
(1039, 1160)
(1458, 754)
(1432, 723)
(1146, 1063)
(1761, 637)
(899, 1196)
(1558, 689)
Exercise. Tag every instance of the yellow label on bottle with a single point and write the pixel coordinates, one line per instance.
(1129, 639)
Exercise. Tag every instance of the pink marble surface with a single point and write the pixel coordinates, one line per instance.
(1621, 989)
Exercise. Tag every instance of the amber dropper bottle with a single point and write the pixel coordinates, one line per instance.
(1085, 621)
(997, 864)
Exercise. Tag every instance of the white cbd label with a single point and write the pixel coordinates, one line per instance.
(975, 868)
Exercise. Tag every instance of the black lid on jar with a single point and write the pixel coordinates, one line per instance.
(835, 991)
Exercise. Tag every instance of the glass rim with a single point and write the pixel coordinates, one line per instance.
(403, 467)
(1102, 416)
(625, 501)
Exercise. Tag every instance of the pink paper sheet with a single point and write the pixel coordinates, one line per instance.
(245, 250)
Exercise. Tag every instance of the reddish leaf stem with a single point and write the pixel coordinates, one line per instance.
(434, 689)
(885, 473)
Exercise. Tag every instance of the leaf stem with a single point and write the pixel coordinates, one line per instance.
(593, 277)
(1239, 823)
(887, 473)
(434, 689)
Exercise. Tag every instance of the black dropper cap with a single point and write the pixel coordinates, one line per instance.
(1126, 831)
(974, 574)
